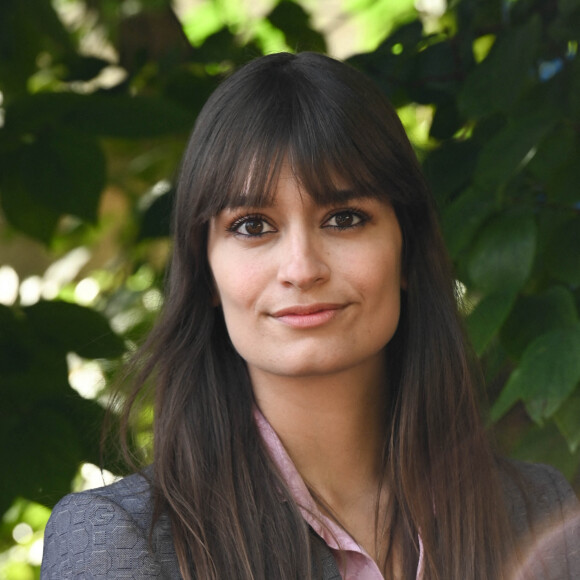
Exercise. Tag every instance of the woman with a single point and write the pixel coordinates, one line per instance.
(315, 414)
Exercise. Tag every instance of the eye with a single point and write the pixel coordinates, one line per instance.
(250, 226)
(345, 219)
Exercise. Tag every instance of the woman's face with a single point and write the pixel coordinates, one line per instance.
(307, 290)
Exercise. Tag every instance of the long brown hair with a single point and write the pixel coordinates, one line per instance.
(231, 514)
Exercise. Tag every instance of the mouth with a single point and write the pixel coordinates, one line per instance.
(308, 316)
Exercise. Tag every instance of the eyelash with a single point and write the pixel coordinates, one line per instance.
(238, 222)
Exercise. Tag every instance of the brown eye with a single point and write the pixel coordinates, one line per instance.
(343, 220)
(253, 227)
(346, 219)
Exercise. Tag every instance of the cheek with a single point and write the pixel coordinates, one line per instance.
(238, 285)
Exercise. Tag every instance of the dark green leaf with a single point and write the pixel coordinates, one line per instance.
(510, 149)
(65, 172)
(21, 208)
(535, 315)
(548, 372)
(97, 114)
(556, 149)
(562, 252)
(294, 22)
(462, 218)
(568, 420)
(450, 167)
(562, 184)
(499, 80)
(545, 444)
(503, 254)
(487, 317)
(156, 220)
(74, 328)
(446, 120)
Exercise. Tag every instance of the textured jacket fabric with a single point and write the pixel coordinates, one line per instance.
(104, 533)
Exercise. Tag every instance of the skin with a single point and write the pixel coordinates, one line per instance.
(311, 296)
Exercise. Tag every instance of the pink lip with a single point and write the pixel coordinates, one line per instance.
(308, 316)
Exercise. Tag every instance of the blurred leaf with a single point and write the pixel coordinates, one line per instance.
(503, 253)
(108, 115)
(567, 419)
(563, 252)
(294, 22)
(82, 68)
(574, 89)
(71, 327)
(535, 315)
(548, 372)
(463, 217)
(46, 458)
(562, 184)
(450, 168)
(156, 220)
(21, 209)
(65, 172)
(501, 157)
(499, 80)
(556, 149)
(446, 120)
(487, 317)
(545, 444)
(436, 73)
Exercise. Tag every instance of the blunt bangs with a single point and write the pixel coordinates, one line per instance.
(304, 110)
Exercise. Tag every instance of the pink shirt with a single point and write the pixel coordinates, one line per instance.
(352, 559)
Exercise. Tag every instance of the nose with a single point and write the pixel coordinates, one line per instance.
(303, 263)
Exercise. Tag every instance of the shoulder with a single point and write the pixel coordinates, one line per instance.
(545, 515)
(535, 491)
(105, 532)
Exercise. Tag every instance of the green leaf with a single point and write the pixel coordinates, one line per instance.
(21, 208)
(567, 419)
(487, 318)
(503, 253)
(462, 218)
(545, 444)
(562, 184)
(510, 149)
(499, 80)
(436, 74)
(535, 315)
(107, 115)
(449, 168)
(556, 149)
(562, 252)
(64, 171)
(71, 327)
(446, 120)
(294, 22)
(548, 372)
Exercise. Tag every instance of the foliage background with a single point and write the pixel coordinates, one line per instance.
(97, 98)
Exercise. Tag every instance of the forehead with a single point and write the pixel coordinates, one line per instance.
(329, 190)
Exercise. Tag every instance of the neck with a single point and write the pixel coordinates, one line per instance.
(333, 429)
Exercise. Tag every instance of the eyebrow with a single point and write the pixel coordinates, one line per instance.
(337, 197)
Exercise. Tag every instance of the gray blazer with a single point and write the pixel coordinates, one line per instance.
(103, 533)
